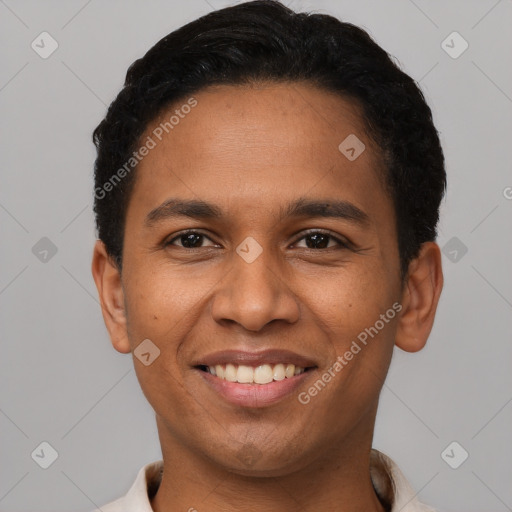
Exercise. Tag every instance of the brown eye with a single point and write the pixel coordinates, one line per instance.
(319, 240)
(191, 240)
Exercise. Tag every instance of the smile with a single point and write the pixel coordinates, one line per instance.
(262, 374)
(254, 379)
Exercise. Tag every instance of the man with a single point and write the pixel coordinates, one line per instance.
(267, 190)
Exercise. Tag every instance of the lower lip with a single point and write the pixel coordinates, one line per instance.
(254, 395)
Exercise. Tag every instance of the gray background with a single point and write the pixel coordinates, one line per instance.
(62, 382)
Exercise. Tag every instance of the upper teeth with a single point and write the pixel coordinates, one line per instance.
(260, 375)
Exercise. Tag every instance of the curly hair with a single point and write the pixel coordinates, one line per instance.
(263, 40)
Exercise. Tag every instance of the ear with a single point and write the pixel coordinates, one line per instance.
(420, 297)
(108, 282)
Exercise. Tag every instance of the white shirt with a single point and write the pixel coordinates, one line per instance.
(389, 483)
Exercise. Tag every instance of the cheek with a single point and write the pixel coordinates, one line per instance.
(168, 305)
(345, 303)
(160, 308)
(360, 322)
(158, 297)
(349, 313)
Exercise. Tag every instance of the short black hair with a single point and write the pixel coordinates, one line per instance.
(264, 41)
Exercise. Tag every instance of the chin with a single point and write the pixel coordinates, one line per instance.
(263, 461)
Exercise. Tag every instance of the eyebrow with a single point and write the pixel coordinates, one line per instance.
(179, 208)
(302, 207)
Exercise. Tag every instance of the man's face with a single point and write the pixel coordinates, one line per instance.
(262, 276)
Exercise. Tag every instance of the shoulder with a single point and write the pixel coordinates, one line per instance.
(390, 484)
(137, 499)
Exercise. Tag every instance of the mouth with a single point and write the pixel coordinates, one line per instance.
(262, 374)
(254, 379)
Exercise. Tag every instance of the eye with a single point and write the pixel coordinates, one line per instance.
(320, 240)
(191, 240)
(312, 240)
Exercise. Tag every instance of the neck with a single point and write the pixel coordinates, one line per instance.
(335, 482)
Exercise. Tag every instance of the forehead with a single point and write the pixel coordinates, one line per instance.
(257, 113)
(258, 143)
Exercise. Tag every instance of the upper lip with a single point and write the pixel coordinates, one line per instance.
(239, 357)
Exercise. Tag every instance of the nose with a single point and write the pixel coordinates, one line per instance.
(254, 294)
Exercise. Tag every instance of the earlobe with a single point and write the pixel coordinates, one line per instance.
(108, 282)
(420, 297)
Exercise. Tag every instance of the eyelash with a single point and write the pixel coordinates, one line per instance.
(341, 243)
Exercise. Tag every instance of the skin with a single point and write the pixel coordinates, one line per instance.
(252, 150)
